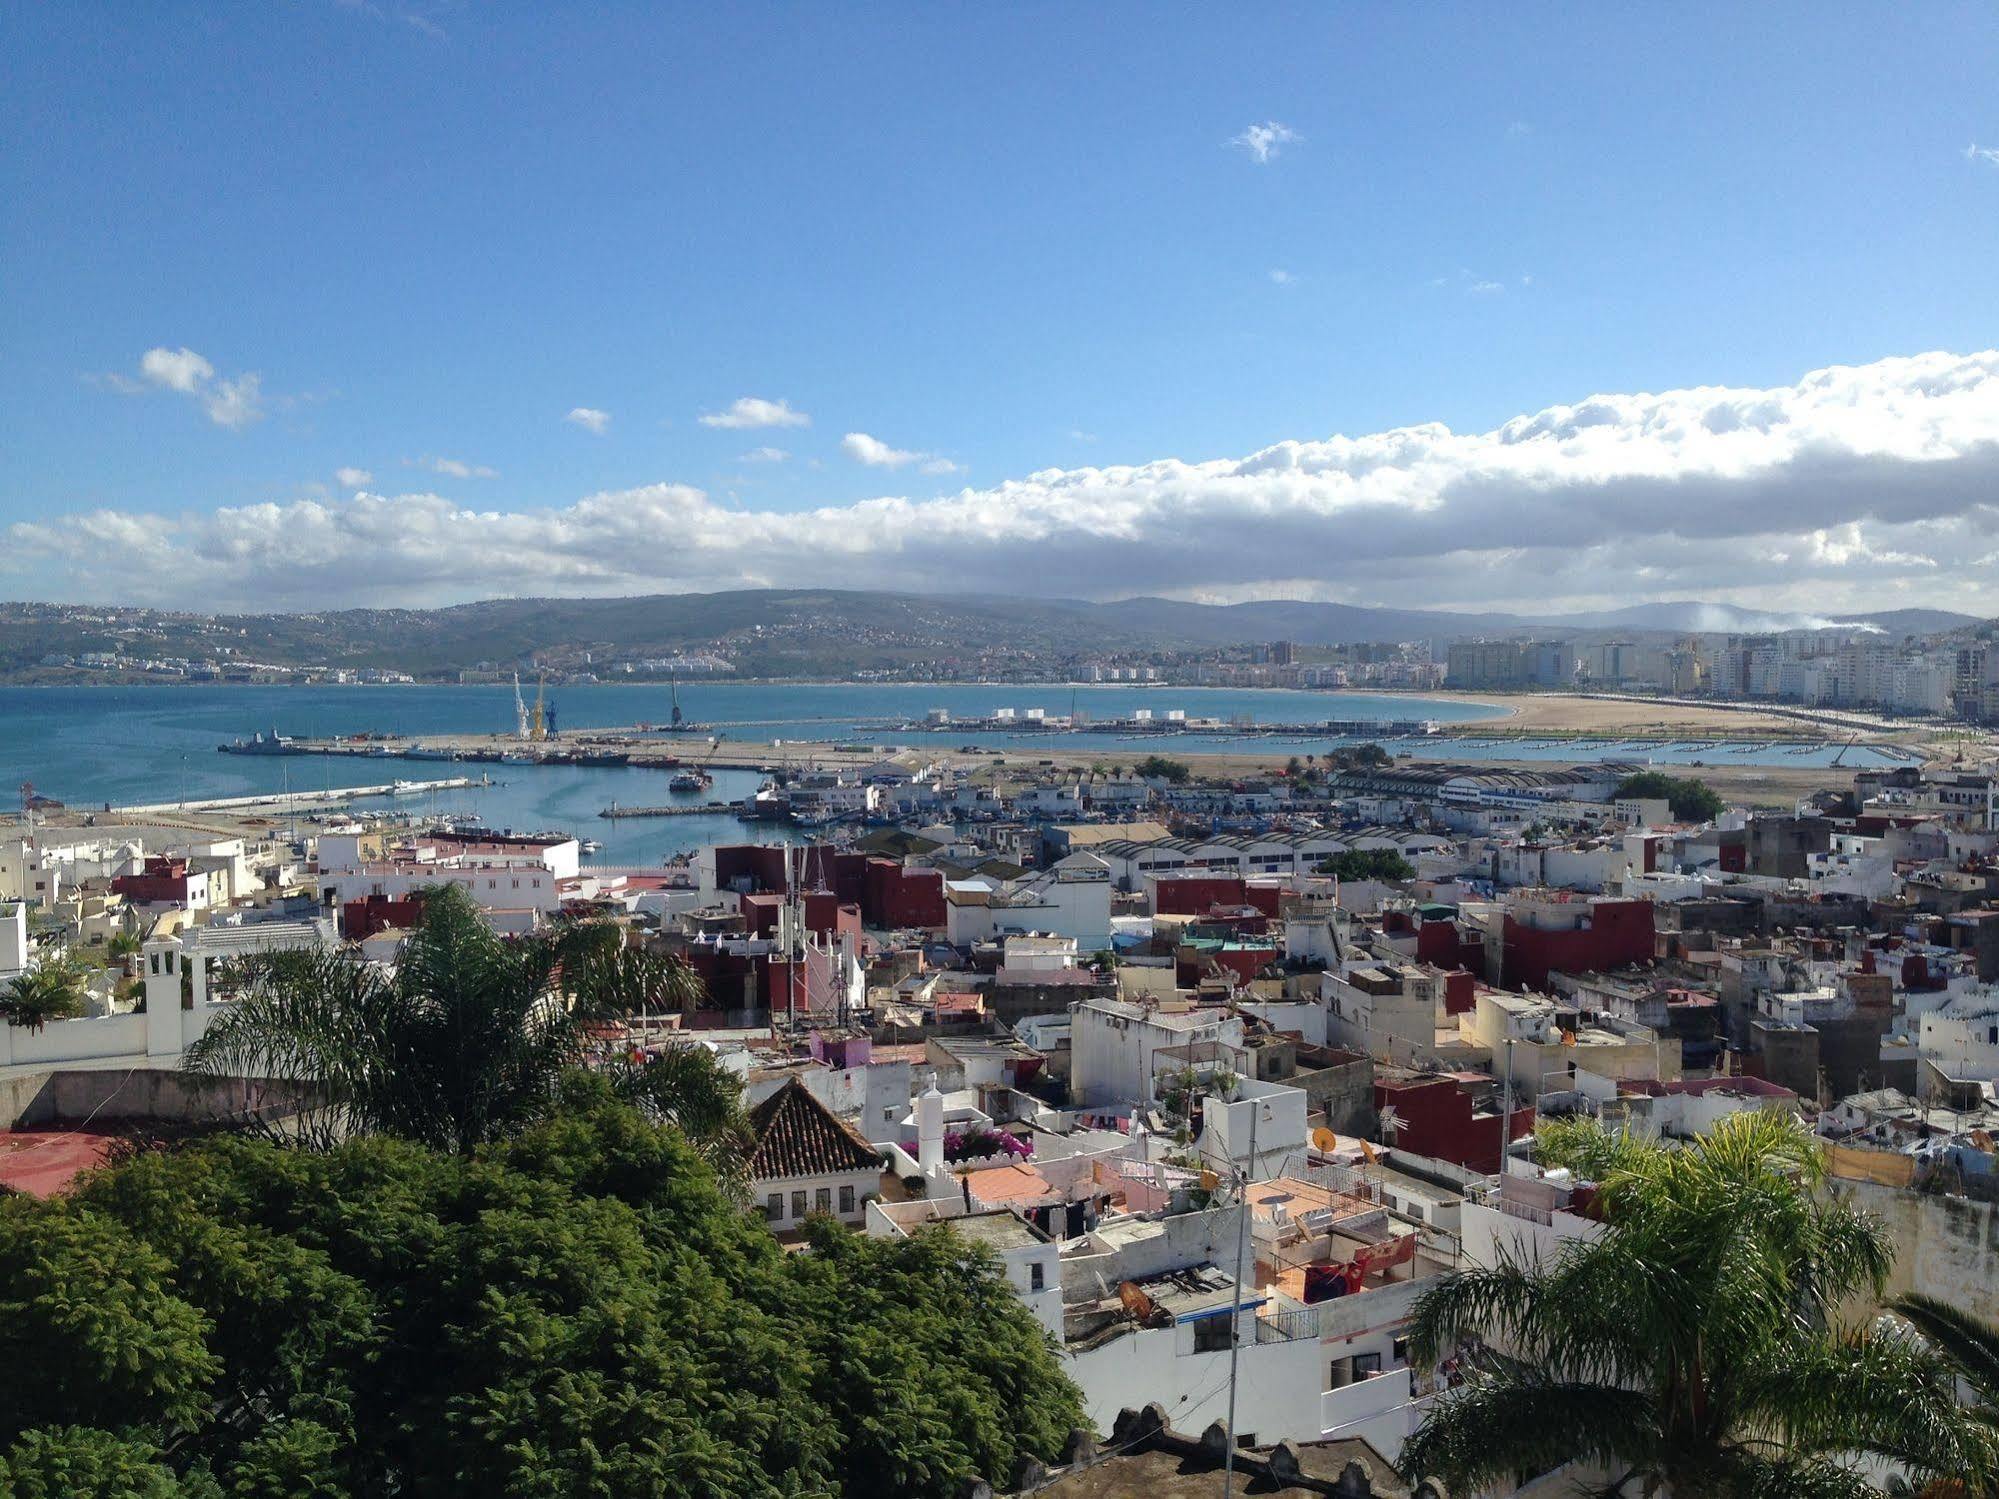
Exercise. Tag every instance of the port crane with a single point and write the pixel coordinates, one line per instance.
(538, 719)
(520, 710)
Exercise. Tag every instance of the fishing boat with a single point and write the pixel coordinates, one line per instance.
(690, 779)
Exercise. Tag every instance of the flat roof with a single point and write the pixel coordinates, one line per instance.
(998, 1230)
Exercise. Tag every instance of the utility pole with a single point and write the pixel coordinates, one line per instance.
(1506, 1103)
(1235, 1302)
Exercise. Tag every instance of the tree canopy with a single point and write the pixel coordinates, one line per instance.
(1159, 768)
(1368, 864)
(576, 1310)
(1692, 1346)
(1691, 798)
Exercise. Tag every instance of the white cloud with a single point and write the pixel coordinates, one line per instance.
(1987, 154)
(590, 419)
(874, 452)
(1854, 487)
(1262, 141)
(353, 478)
(176, 369)
(764, 455)
(1484, 288)
(233, 403)
(755, 411)
(453, 468)
(1282, 277)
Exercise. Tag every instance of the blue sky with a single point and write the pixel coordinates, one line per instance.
(993, 241)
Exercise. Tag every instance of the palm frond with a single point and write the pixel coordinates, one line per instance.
(1871, 1391)
(1491, 1430)
(1970, 1343)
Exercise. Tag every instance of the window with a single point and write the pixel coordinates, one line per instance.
(847, 1199)
(1037, 1277)
(822, 1200)
(1366, 1365)
(774, 1206)
(798, 1203)
(1401, 1351)
(1211, 1335)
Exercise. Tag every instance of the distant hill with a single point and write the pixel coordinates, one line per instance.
(808, 632)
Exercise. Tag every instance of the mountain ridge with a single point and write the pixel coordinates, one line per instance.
(813, 631)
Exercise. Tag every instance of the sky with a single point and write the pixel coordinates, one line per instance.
(313, 304)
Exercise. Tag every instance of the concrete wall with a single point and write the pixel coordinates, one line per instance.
(40, 1100)
(1946, 1247)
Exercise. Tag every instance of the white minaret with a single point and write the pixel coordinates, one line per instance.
(930, 1131)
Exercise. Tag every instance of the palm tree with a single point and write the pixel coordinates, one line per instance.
(1970, 1345)
(1689, 1348)
(685, 1086)
(466, 1040)
(49, 991)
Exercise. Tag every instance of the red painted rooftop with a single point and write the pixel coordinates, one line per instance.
(44, 1164)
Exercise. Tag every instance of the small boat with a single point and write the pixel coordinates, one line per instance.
(418, 752)
(591, 846)
(407, 788)
(690, 780)
(516, 757)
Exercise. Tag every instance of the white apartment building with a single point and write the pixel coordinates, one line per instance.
(1114, 1046)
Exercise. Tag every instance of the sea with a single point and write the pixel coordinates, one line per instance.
(109, 746)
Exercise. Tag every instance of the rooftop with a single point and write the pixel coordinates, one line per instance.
(797, 1135)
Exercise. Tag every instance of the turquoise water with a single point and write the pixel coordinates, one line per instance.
(89, 746)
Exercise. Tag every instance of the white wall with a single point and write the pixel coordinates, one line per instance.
(1278, 1384)
(864, 1184)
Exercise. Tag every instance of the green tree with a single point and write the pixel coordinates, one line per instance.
(1159, 768)
(1691, 1346)
(1369, 864)
(1691, 798)
(78, 1462)
(465, 1041)
(575, 1310)
(51, 990)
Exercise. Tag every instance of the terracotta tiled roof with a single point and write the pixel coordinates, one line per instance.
(797, 1135)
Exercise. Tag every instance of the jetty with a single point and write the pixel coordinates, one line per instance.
(331, 796)
(699, 809)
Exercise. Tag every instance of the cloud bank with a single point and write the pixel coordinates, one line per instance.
(1868, 486)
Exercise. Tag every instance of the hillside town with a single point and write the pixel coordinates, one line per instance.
(1224, 1073)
